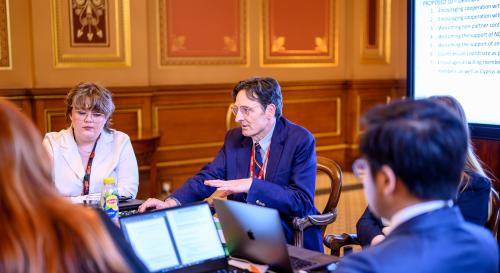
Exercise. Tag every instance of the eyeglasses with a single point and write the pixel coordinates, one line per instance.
(245, 110)
(83, 114)
(360, 167)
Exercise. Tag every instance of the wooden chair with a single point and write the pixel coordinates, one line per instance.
(335, 242)
(230, 123)
(329, 212)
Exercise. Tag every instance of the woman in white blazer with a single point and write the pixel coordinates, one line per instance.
(88, 151)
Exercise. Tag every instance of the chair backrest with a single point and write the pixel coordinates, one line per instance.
(230, 123)
(334, 174)
(494, 219)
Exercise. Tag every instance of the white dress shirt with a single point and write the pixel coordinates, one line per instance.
(114, 157)
(264, 143)
(410, 212)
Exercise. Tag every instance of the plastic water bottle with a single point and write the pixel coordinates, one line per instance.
(109, 198)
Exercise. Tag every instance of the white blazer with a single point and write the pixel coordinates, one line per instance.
(114, 157)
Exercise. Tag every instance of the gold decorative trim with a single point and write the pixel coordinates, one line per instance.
(165, 60)
(221, 90)
(138, 111)
(331, 60)
(230, 43)
(52, 112)
(16, 97)
(191, 146)
(278, 44)
(5, 36)
(93, 11)
(42, 97)
(338, 130)
(176, 163)
(179, 43)
(358, 115)
(380, 53)
(336, 147)
(327, 134)
(121, 57)
(229, 116)
(127, 95)
(358, 112)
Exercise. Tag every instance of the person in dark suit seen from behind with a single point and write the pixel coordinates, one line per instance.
(473, 191)
(267, 161)
(40, 230)
(412, 158)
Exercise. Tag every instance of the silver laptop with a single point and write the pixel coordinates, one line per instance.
(255, 233)
(179, 239)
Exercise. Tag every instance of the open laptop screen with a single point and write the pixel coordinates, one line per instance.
(174, 238)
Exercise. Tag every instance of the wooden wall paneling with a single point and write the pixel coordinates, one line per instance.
(319, 107)
(192, 118)
(363, 95)
(49, 113)
(5, 36)
(23, 103)
(20, 97)
(133, 112)
(193, 125)
(175, 176)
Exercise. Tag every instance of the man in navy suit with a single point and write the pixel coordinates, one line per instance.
(267, 161)
(412, 156)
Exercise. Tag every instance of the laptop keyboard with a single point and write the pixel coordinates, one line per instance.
(127, 212)
(298, 263)
(231, 271)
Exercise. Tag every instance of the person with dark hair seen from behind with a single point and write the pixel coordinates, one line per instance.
(89, 150)
(40, 230)
(412, 158)
(473, 192)
(267, 161)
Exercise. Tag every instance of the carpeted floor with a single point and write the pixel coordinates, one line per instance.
(351, 205)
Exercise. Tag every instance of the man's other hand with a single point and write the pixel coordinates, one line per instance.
(228, 187)
(154, 204)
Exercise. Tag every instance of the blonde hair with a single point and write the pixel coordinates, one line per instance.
(42, 231)
(472, 162)
(90, 96)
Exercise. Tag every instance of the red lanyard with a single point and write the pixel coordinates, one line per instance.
(86, 177)
(262, 168)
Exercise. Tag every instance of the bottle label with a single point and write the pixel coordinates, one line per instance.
(110, 204)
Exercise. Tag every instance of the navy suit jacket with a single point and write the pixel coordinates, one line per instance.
(472, 201)
(437, 241)
(289, 181)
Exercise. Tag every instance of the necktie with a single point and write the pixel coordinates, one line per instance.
(257, 160)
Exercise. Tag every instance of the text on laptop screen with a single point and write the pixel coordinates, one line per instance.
(175, 238)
